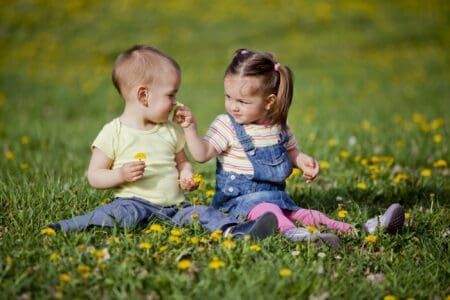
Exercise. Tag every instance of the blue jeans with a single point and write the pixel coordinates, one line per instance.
(135, 212)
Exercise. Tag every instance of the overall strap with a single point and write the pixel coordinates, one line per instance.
(243, 137)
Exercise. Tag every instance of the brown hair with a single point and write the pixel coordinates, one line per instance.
(275, 79)
(137, 65)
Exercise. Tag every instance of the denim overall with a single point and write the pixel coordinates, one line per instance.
(236, 194)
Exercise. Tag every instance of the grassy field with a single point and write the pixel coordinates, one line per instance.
(371, 103)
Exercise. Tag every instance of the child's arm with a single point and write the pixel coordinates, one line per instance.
(200, 149)
(101, 176)
(306, 163)
(185, 171)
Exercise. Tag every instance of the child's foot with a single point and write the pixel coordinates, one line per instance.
(260, 228)
(392, 220)
(302, 234)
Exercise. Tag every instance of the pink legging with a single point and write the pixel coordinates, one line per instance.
(287, 218)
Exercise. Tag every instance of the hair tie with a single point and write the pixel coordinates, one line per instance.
(243, 52)
(276, 67)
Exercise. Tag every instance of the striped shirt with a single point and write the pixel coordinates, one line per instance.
(231, 154)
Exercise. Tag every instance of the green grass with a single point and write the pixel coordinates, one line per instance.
(371, 101)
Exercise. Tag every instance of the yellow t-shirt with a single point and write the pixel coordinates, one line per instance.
(157, 147)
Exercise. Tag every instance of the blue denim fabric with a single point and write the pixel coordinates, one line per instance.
(135, 212)
(236, 194)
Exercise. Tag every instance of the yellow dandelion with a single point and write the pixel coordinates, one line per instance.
(400, 177)
(312, 229)
(216, 263)
(216, 235)
(342, 214)
(210, 193)
(407, 215)
(55, 256)
(390, 297)
(163, 248)
(184, 264)
(332, 143)
(194, 217)
(365, 125)
(437, 138)
(361, 186)
(364, 162)
(140, 156)
(24, 166)
(285, 272)
(64, 277)
(83, 268)
(112, 240)
(176, 232)
(156, 228)
(194, 240)
(229, 244)
(437, 123)
(48, 231)
(174, 239)
(324, 165)
(426, 173)
(295, 172)
(25, 140)
(344, 154)
(198, 178)
(255, 247)
(440, 164)
(372, 239)
(145, 246)
(9, 155)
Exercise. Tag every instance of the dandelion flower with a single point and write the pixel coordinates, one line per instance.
(344, 154)
(216, 263)
(440, 164)
(324, 165)
(407, 215)
(64, 277)
(437, 138)
(312, 229)
(156, 228)
(184, 264)
(174, 239)
(210, 193)
(55, 256)
(332, 143)
(48, 231)
(83, 268)
(372, 239)
(25, 140)
(390, 297)
(361, 186)
(216, 235)
(140, 156)
(9, 155)
(175, 232)
(285, 272)
(24, 166)
(255, 247)
(194, 240)
(437, 123)
(426, 173)
(145, 246)
(229, 244)
(400, 177)
(342, 214)
(163, 248)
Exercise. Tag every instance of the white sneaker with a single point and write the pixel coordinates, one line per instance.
(303, 235)
(392, 220)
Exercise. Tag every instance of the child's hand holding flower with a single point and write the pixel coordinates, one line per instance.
(309, 166)
(187, 182)
(183, 116)
(132, 171)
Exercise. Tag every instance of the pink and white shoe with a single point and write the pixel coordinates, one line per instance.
(391, 221)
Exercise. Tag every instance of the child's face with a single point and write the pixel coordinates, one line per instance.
(243, 99)
(162, 95)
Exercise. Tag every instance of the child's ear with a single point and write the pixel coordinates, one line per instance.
(143, 95)
(270, 100)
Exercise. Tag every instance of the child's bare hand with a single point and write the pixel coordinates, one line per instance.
(183, 116)
(187, 183)
(309, 166)
(132, 171)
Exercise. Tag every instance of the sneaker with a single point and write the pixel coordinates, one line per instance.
(392, 220)
(320, 239)
(260, 228)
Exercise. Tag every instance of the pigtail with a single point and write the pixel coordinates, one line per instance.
(284, 95)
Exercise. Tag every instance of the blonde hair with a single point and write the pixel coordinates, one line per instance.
(275, 79)
(137, 65)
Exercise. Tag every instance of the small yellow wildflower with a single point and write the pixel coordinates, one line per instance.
(440, 164)
(312, 229)
(364, 162)
(344, 154)
(163, 248)
(112, 240)
(64, 277)
(198, 178)
(324, 165)
(371, 239)
(437, 123)
(156, 228)
(9, 155)
(145, 246)
(184, 264)
(216, 235)
(210, 193)
(24, 166)
(83, 268)
(194, 240)
(426, 173)
(332, 143)
(174, 239)
(365, 125)
(216, 263)
(140, 156)
(390, 297)
(48, 231)
(295, 172)
(55, 256)
(176, 232)
(25, 140)
(407, 215)
(437, 138)
(361, 186)
(342, 214)
(285, 272)
(400, 177)
(255, 247)
(229, 244)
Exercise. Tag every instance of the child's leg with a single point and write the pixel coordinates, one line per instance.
(284, 224)
(124, 213)
(317, 219)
